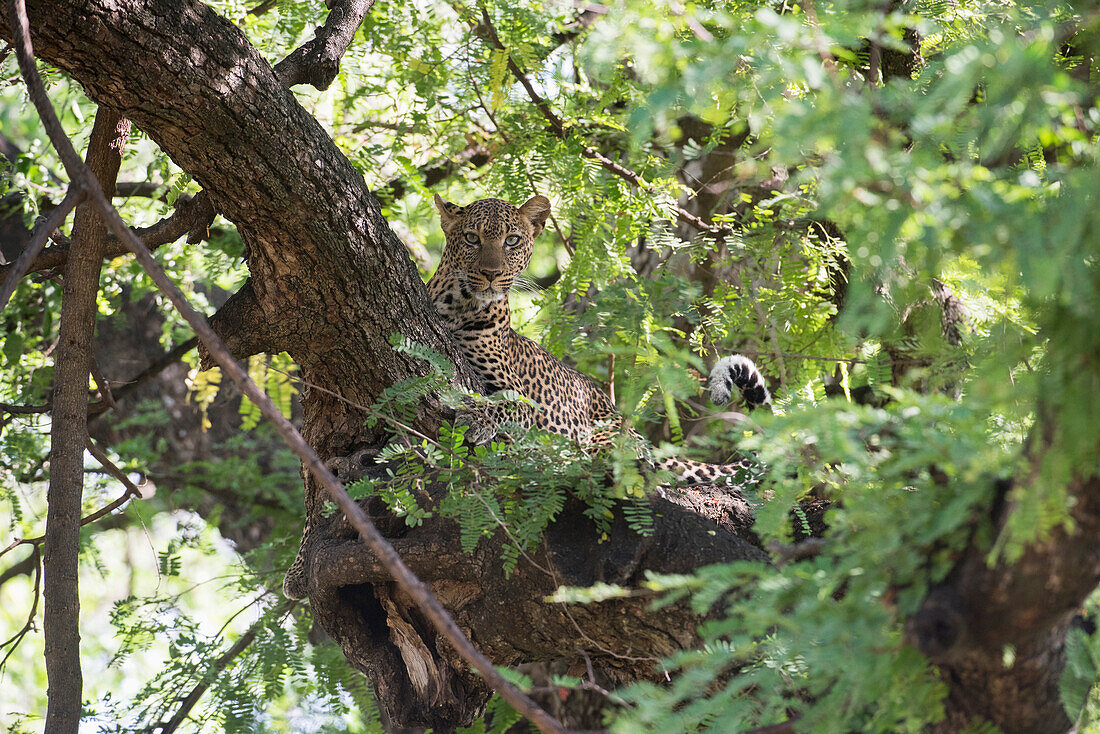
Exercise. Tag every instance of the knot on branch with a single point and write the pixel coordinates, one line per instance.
(939, 626)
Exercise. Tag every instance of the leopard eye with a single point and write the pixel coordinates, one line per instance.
(471, 238)
(511, 240)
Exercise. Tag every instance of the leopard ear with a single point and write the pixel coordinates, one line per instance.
(449, 214)
(535, 211)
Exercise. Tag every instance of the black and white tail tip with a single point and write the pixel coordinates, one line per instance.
(739, 372)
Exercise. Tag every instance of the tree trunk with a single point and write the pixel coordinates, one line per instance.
(61, 620)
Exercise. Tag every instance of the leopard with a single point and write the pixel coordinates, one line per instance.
(488, 243)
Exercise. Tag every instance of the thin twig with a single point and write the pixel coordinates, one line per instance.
(530, 179)
(101, 383)
(488, 33)
(769, 323)
(94, 409)
(13, 545)
(155, 367)
(132, 492)
(131, 489)
(14, 641)
(416, 589)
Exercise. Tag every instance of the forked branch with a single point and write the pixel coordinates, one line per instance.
(318, 61)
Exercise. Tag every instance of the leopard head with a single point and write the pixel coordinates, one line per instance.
(490, 241)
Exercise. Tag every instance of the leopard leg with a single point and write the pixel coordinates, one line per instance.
(485, 420)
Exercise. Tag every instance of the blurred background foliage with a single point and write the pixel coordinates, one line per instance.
(900, 225)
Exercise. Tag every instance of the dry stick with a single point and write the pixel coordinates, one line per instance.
(74, 196)
(417, 590)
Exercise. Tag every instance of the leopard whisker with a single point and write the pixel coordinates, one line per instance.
(523, 284)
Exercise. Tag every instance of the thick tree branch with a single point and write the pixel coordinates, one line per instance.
(148, 189)
(967, 622)
(24, 409)
(240, 322)
(28, 258)
(22, 568)
(318, 62)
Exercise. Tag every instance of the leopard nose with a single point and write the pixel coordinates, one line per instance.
(491, 273)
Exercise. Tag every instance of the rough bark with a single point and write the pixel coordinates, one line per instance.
(421, 682)
(318, 61)
(69, 429)
(331, 280)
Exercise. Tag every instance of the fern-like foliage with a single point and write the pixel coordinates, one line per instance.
(515, 486)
